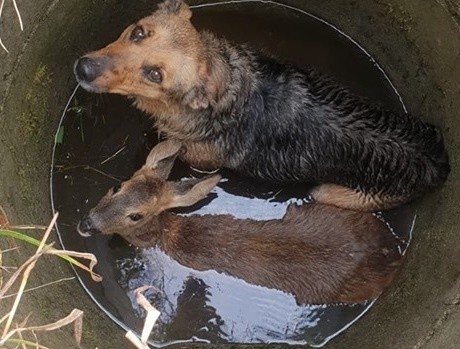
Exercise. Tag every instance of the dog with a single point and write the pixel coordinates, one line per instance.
(319, 253)
(233, 106)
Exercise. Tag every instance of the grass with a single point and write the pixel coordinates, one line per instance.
(13, 335)
(149, 322)
(11, 331)
(64, 254)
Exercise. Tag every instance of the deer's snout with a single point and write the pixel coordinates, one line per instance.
(86, 227)
(87, 69)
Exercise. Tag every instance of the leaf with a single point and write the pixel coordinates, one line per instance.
(59, 135)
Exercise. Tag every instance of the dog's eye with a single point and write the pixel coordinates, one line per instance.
(137, 34)
(135, 217)
(154, 74)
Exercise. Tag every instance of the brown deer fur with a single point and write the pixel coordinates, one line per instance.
(319, 253)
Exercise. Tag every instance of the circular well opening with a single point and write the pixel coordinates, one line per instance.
(102, 140)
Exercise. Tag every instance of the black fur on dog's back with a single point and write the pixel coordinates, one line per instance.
(280, 123)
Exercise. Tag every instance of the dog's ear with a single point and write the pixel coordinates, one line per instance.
(175, 7)
(197, 98)
(202, 94)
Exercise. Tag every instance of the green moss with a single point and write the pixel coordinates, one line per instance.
(24, 186)
(41, 76)
(34, 118)
(400, 15)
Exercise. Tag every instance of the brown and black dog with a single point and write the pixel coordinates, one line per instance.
(235, 107)
(319, 253)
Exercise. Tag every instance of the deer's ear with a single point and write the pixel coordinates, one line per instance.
(161, 158)
(188, 192)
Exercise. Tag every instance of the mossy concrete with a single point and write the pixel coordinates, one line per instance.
(417, 43)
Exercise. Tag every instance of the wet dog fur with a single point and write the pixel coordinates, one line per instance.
(233, 106)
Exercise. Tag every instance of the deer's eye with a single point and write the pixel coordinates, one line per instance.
(137, 34)
(135, 217)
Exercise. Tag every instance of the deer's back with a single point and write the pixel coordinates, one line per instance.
(319, 253)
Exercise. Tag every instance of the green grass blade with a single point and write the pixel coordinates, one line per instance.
(27, 343)
(35, 242)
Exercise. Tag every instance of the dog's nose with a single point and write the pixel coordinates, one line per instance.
(86, 228)
(86, 69)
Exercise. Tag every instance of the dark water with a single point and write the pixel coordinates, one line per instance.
(102, 140)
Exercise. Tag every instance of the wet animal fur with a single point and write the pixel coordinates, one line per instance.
(319, 253)
(235, 107)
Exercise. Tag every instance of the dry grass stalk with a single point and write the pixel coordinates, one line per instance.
(26, 276)
(21, 339)
(17, 273)
(1, 11)
(113, 155)
(62, 168)
(18, 14)
(4, 224)
(149, 322)
(27, 227)
(87, 256)
(5, 227)
(75, 317)
(40, 286)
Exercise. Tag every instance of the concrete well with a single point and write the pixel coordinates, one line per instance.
(417, 43)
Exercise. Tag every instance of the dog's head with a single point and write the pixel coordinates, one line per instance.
(159, 58)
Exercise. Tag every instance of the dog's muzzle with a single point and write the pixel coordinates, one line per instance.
(87, 69)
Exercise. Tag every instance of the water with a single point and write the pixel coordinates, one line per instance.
(102, 140)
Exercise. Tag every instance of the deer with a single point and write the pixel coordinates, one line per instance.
(319, 253)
